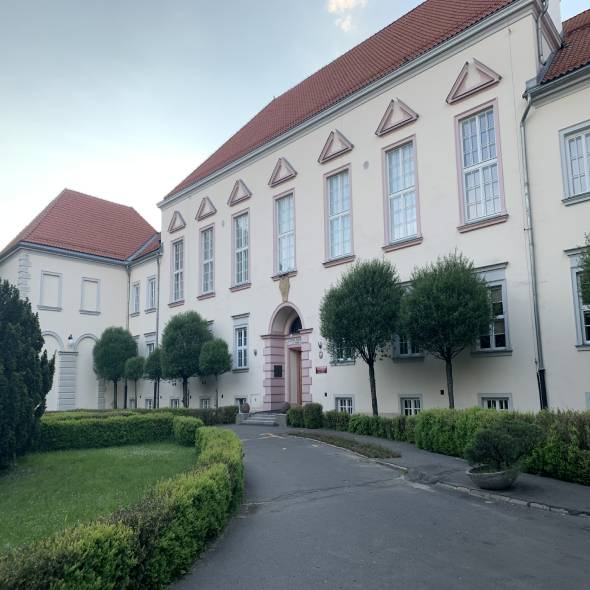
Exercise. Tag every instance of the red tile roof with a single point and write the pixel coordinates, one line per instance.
(575, 52)
(420, 30)
(80, 223)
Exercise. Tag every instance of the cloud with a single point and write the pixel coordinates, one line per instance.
(344, 10)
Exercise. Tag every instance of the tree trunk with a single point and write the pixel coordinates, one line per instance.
(373, 388)
(449, 367)
(155, 394)
(185, 392)
(216, 393)
(125, 395)
(114, 394)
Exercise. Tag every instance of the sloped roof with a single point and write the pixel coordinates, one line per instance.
(575, 52)
(80, 223)
(415, 33)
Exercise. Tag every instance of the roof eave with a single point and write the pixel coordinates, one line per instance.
(61, 252)
(559, 84)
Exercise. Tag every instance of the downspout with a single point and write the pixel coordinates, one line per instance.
(159, 255)
(128, 269)
(541, 377)
(544, 10)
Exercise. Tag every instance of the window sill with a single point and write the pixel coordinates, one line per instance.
(473, 225)
(337, 261)
(343, 364)
(414, 358)
(567, 201)
(501, 352)
(150, 310)
(88, 312)
(206, 296)
(244, 370)
(48, 308)
(399, 245)
(290, 274)
(134, 314)
(582, 347)
(241, 287)
(176, 303)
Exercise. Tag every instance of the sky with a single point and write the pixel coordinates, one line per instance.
(122, 99)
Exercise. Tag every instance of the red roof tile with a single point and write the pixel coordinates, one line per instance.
(420, 30)
(81, 223)
(575, 52)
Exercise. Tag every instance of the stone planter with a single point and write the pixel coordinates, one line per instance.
(485, 479)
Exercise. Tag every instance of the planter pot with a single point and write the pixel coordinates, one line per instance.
(485, 479)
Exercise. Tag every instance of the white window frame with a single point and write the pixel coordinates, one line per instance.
(175, 403)
(240, 401)
(344, 403)
(403, 194)
(241, 348)
(580, 131)
(148, 403)
(339, 218)
(207, 267)
(410, 405)
(135, 298)
(132, 403)
(579, 308)
(177, 274)
(241, 250)
(83, 309)
(151, 293)
(399, 343)
(499, 317)
(479, 167)
(284, 248)
(205, 403)
(42, 305)
(339, 358)
(492, 401)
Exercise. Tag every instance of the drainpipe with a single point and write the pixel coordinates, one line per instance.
(128, 269)
(541, 380)
(544, 10)
(158, 256)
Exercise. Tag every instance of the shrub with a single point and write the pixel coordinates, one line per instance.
(313, 416)
(185, 429)
(295, 417)
(336, 420)
(59, 434)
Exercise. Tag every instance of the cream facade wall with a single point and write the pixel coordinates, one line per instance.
(510, 49)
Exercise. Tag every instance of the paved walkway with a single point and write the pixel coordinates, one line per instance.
(319, 517)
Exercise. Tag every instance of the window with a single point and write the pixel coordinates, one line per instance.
(50, 291)
(344, 404)
(241, 249)
(339, 215)
(132, 403)
(204, 403)
(404, 347)
(150, 347)
(177, 271)
(240, 401)
(343, 355)
(481, 185)
(495, 403)
(577, 162)
(411, 406)
(151, 294)
(495, 339)
(241, 347)
(174, 402)
(583, 311)
(90, 296)
(285, 234)
(207, 277)
(401, 193)
(149, 403)
(135, 298)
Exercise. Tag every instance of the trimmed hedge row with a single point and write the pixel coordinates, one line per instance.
(185, 429)
(144, 546)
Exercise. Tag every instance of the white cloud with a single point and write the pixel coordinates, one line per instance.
(344, 22)
(344, 8)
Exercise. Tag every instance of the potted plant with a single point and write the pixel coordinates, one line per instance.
(496, 453)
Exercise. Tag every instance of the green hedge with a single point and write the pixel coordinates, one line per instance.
(185, 429)
(336, 420)
(400, 428)
(295, 417)
(313, 416)
(144, 546)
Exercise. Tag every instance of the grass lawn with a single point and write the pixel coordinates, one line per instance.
(367, 449)
(48, 492)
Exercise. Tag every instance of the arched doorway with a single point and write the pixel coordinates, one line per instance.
(287, 359)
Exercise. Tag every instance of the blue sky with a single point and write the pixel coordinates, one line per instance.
(123, 98)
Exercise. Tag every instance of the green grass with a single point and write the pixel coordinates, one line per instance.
(366, 449)
(48, 492)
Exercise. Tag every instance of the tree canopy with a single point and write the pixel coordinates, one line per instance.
(153, 371)
(361, 313)
(585, 276)
(215, 360)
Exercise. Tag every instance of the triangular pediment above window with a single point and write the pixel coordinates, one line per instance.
(398, 114)
(176, 223)
(206, 209)
(474, 77)
(335, 146)
(239, 193)
(282, 172)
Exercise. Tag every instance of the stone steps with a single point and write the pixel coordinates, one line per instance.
(262, 419)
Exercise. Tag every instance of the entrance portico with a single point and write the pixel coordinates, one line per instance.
(286, 359)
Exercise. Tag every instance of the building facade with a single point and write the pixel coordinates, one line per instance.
(471, 134)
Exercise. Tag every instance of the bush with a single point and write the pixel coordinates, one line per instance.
(185, 429)
(295, 417)
(59, 434)
(336, 420)
(313, 416)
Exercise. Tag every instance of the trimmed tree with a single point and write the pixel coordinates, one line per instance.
(111, 352)
(361, 313)
(182, 340)
(446, 310)
(26, 374)
(585, 276)
(134, 371)
(215, 360)
(153, 372)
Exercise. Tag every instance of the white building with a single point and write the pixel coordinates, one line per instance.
(456, 127)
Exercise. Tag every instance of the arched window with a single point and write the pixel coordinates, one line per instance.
(295, 326)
